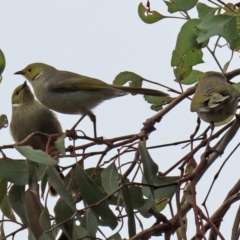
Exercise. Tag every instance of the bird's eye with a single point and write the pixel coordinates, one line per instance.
(17, 93)
(29, 69)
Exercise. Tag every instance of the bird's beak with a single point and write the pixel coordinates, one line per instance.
(20, 72)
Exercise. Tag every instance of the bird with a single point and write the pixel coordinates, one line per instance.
(72, 93)
(215, 99)
(29, 116)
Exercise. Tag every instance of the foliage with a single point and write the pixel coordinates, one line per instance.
(108, 195)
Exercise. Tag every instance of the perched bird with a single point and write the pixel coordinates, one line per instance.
(71, 93)
(29, 116)
(215, 100)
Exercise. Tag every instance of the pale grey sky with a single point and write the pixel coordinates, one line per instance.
(101, 39)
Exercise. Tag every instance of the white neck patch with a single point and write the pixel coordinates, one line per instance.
(16, 104)
(38, 76)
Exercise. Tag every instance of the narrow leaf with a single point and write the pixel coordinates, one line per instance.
(92, 194)
(129, 210)
(2, 63)
(3, 189)
(16, 171)
(110, 178)
(3, 121)
(60, 143)
(57, 183)
(150, 168)
(90, 223)
(79, 232)
(46, 225)
(37, 156)
(16, 200)
(6, 208)
(115, 236)
(63, 213)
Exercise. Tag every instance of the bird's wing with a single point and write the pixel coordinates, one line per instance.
(69, 82)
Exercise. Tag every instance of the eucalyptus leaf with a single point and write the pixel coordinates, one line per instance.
(204, 11)
(129, 210)
(60, 143)
(37, 156)
(57, 183)
(16, 171)
(90, 223)
(2, 63)
(16, 199)
(3, 121)
(125, 77)
(92, 194)
(150, 168)
(63, 216)
(191, 78)
(6, 208)
(221, 25)
(110, 178)
(149, 16)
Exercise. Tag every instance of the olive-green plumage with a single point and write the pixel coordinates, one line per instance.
(72, 93)
(29, 116)
(215, 100)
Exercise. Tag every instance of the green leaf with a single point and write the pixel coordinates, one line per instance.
(2, 233)
(204, 11)
(16, 171)
(235, 43)
(60, 143)
(129, 210)
(150, 168)
(222, 25)
(191, 78)
(136, 196)
(57, 183)
(79, 232)
(3, 121)
(180, 5)
(46, 225)
(165, 192)
(124, 77)
(63, 213)
(149, 16)
(90, 223)
(30, 235)
(6, 208)
(3, 189)
(110, 178)
(161, 192)
(2, 63)
(92, 194)
(180, 229)
(157, 102)
(182, 72)
(16, 199)
(115, 236)
(44, 183)
(37, 156)
(161, 204)
(187, 45)
(149, 204)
